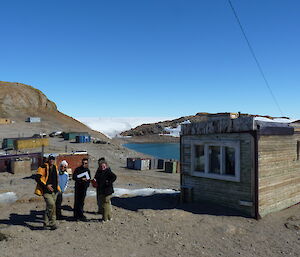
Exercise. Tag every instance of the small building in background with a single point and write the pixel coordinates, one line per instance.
(74, 160)
(72, 135)
(246, 162)
(28, 143)
(33, 119)
(83, 139)
(20, 163)
(5, 121)
(8, 143)
(142, 164)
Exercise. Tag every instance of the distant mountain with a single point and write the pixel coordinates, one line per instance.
(173, 127)
(19, 101)
(167, 127)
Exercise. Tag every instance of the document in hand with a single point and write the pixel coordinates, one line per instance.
(84, 174)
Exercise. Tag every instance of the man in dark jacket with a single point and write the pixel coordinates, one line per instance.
(82, 177)
(105, 178)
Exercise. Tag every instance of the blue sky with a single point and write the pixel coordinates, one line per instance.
(127, 58)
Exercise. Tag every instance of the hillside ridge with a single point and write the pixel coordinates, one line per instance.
(19, 101)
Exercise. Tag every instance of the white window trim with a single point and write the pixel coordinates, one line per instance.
(231, 143)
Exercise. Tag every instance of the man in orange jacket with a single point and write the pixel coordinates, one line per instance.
(48, 187)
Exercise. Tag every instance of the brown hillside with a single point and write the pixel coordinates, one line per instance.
(19, 101)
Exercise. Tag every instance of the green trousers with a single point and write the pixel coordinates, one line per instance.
(50, 213)
(106, 206)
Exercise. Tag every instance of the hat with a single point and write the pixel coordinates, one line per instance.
(102, 159)
(64, 163)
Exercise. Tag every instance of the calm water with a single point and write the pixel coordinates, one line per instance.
(163, 151)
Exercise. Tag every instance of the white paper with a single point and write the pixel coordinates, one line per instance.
(84, 174)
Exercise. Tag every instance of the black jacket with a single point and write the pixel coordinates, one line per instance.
(78, 181)
(105, 181)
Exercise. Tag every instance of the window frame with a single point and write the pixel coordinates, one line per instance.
(222, 144)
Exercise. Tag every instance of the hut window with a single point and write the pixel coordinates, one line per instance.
(199, 160)
(216, 159)
(229, 161)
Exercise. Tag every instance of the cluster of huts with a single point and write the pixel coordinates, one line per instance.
(168, 166)
(28, 162)
(21, 162)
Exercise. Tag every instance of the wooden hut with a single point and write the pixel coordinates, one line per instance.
(245, 162)
(7, 162)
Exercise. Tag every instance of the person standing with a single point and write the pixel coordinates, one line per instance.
(81, 176)
(63, 180)
(48, 187)
(100, 210)
(105, 178)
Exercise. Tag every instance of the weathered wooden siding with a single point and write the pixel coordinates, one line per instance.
(222, 192)
(279, 173)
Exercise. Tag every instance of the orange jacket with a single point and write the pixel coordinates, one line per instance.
(44, 177)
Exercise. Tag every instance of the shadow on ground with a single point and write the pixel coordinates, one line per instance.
(34, 220)
(34, 216)
(172, 201)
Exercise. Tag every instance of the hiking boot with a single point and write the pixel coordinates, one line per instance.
(83, 218)
(45, 227)
(61, 217)
(54, 227)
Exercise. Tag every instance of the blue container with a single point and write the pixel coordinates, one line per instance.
(161, 164)
(83, 139)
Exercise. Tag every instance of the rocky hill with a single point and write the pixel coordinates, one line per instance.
(163, 127)
(19, 101)
(161, 131)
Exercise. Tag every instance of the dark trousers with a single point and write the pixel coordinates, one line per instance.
(59, 200)
(80, 193)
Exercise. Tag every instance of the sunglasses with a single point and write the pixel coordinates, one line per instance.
(85, 162)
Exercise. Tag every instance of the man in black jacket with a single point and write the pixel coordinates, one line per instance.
(82, 177)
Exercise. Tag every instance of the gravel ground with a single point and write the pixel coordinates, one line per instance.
(157, 225)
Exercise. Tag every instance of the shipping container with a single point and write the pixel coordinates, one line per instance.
(170, 166)
(33, 119)
(83, 139)
(30, 143)
(130, 163)
(153, 164)
(8, 143)
(178, 167)
(142, 164)
(161, 164)
(72, 135)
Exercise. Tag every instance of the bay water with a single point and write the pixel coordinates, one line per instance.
(158, 150)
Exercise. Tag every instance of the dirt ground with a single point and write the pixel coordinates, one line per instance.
(157, 225)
